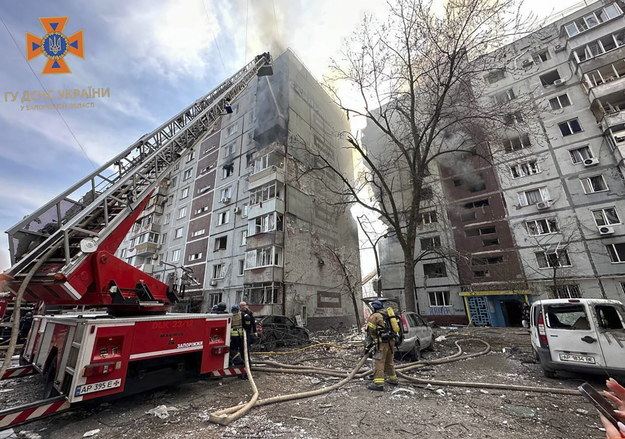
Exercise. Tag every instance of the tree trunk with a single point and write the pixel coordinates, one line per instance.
(409, 284)
(356, 311)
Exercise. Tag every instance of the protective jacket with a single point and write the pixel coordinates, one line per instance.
(377, 327)
(236, 326)
(248, 321)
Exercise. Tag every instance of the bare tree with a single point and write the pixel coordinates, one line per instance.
(345, 266)
(415, 76)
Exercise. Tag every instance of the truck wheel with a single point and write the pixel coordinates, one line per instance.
(48, 387)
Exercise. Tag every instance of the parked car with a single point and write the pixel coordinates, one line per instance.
(578, 335)
(277, 330)
(416, 334)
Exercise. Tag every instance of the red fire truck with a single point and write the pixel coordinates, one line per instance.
(64, 254)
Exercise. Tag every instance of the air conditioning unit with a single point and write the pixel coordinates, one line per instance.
(527, 62)
(591, 161)
(541, 205)
(237, 210)
(558, 48)
(213, 282)
(605, 230)
(225, 199)
(559, 82)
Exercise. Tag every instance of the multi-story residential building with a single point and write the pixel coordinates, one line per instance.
(544, 217)
(241, 213)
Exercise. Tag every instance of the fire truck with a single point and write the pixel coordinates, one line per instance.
(64, 255)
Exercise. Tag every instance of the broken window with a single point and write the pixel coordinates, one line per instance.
(542, 226)
(578, 155)
(594, 184)
(552, 259)
(549, 78)
(566, 316)
(609, 317)
(430, 243)
(436, 269)
(560, 102)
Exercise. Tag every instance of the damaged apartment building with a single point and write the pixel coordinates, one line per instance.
(240, 220)
(545, 216)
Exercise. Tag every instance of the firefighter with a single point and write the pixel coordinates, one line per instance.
(248, 322)
(236, 337)
(383, 337)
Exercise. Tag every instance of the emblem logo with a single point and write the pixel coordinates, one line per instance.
(54, 45)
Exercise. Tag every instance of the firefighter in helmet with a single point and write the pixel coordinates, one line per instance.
(383, 338)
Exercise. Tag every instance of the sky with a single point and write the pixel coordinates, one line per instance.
(154, 58)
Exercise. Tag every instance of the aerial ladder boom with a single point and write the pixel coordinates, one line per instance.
(87, 222)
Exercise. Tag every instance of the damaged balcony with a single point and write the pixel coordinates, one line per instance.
(605, 81)
(267, 168)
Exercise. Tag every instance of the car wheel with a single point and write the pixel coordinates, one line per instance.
(431, 346)
(415, 353)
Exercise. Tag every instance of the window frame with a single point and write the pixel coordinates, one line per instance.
(548, 260)
(570, 128)
(537, 223)
(442, 299)
(588, 186)
(577, 152)
(614, 253)
(604, 216)
(558, 100)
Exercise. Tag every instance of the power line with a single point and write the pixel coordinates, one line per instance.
(46, 90)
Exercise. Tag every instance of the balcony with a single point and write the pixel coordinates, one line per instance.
(606, 81)
(146, 268)
(265, 176)
(146, 248)
(265, 207)
(265, 239)
(264, 274)
(612, 120)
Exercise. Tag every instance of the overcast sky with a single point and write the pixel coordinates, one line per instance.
(155, 57)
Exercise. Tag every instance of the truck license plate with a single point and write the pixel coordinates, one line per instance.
(97, 387)
(578, 358)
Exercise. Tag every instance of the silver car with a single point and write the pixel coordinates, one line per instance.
(416, 334)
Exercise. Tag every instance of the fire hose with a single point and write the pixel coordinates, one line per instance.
(357, 373)
(226, 416)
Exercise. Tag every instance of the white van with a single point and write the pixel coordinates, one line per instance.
(579, 335)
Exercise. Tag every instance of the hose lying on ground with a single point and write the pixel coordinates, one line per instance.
(242, 409)
(302, 349)
(285, 368)
(224, 419)
(288, 368)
